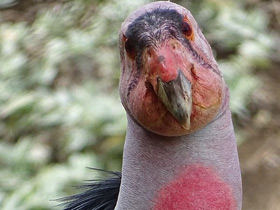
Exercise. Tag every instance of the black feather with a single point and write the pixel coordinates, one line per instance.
(98, 194)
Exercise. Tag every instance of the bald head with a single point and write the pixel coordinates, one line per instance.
(170, 82)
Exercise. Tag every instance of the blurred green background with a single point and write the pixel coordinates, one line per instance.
(60, 110)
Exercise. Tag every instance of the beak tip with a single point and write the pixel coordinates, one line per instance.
(186, 125)
(176, 96)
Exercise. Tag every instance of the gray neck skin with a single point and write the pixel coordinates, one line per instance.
(150, 161)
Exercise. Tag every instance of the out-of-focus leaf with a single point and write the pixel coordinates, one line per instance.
(59, 88)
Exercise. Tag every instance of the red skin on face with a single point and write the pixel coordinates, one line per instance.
(196, 188)
(165, 62)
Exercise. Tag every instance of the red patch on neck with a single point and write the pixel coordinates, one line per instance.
(197, 188)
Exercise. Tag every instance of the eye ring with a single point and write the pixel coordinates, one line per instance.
(187, 30)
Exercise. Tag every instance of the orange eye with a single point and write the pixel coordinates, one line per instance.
(187, 30)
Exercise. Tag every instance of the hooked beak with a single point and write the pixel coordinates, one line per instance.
(176, 95)
(166, 69)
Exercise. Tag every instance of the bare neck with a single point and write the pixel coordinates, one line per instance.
(153, 164)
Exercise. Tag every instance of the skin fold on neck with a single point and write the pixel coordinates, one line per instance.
(153, 164)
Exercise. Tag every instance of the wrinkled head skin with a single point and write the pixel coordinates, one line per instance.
(170, 82)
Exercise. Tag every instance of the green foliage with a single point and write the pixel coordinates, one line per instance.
(59, 105)
(246, 34)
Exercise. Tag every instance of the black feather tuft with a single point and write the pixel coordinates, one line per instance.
(97, 195)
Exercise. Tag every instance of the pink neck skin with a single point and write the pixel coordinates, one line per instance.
(196, 171)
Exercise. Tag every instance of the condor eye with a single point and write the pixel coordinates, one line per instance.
(130, 48)
(187, 30)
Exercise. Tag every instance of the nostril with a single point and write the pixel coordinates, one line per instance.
(161, 58)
